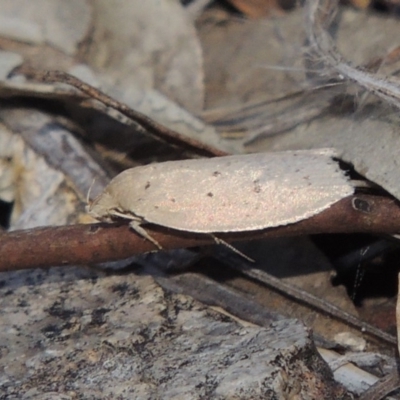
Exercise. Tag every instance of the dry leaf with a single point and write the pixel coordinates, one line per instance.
(363, 4)
(62, 24)
(248, 60)
(148, 45)
(256, 8)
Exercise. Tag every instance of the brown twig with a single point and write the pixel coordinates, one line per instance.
(83, 244)
(152, 127)
(301, 296)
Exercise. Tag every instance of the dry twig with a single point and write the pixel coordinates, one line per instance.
(150, 126)
(83, 244)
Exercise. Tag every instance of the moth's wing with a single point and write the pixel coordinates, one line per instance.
(234, 193)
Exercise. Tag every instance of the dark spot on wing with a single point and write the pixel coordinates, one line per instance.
(257, 186)
(209, 194)
(216, 173)
(147, 185)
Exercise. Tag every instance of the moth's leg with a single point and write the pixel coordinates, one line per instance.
(229, 246)
(135, 224)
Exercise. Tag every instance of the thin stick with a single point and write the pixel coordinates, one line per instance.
(383, 387)
(310, 300)
(152, 127)
(83, 244)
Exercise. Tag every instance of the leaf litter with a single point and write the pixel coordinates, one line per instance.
(239, 92)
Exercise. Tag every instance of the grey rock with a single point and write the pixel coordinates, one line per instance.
(85, 334)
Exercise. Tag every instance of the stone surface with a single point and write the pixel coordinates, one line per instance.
(79, 333)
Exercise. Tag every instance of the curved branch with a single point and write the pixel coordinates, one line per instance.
(95, 243)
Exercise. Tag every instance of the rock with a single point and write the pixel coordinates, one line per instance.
(79, 333)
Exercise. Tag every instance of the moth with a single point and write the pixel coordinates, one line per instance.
(236, 193)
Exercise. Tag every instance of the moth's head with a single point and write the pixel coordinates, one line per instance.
(101, 207)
